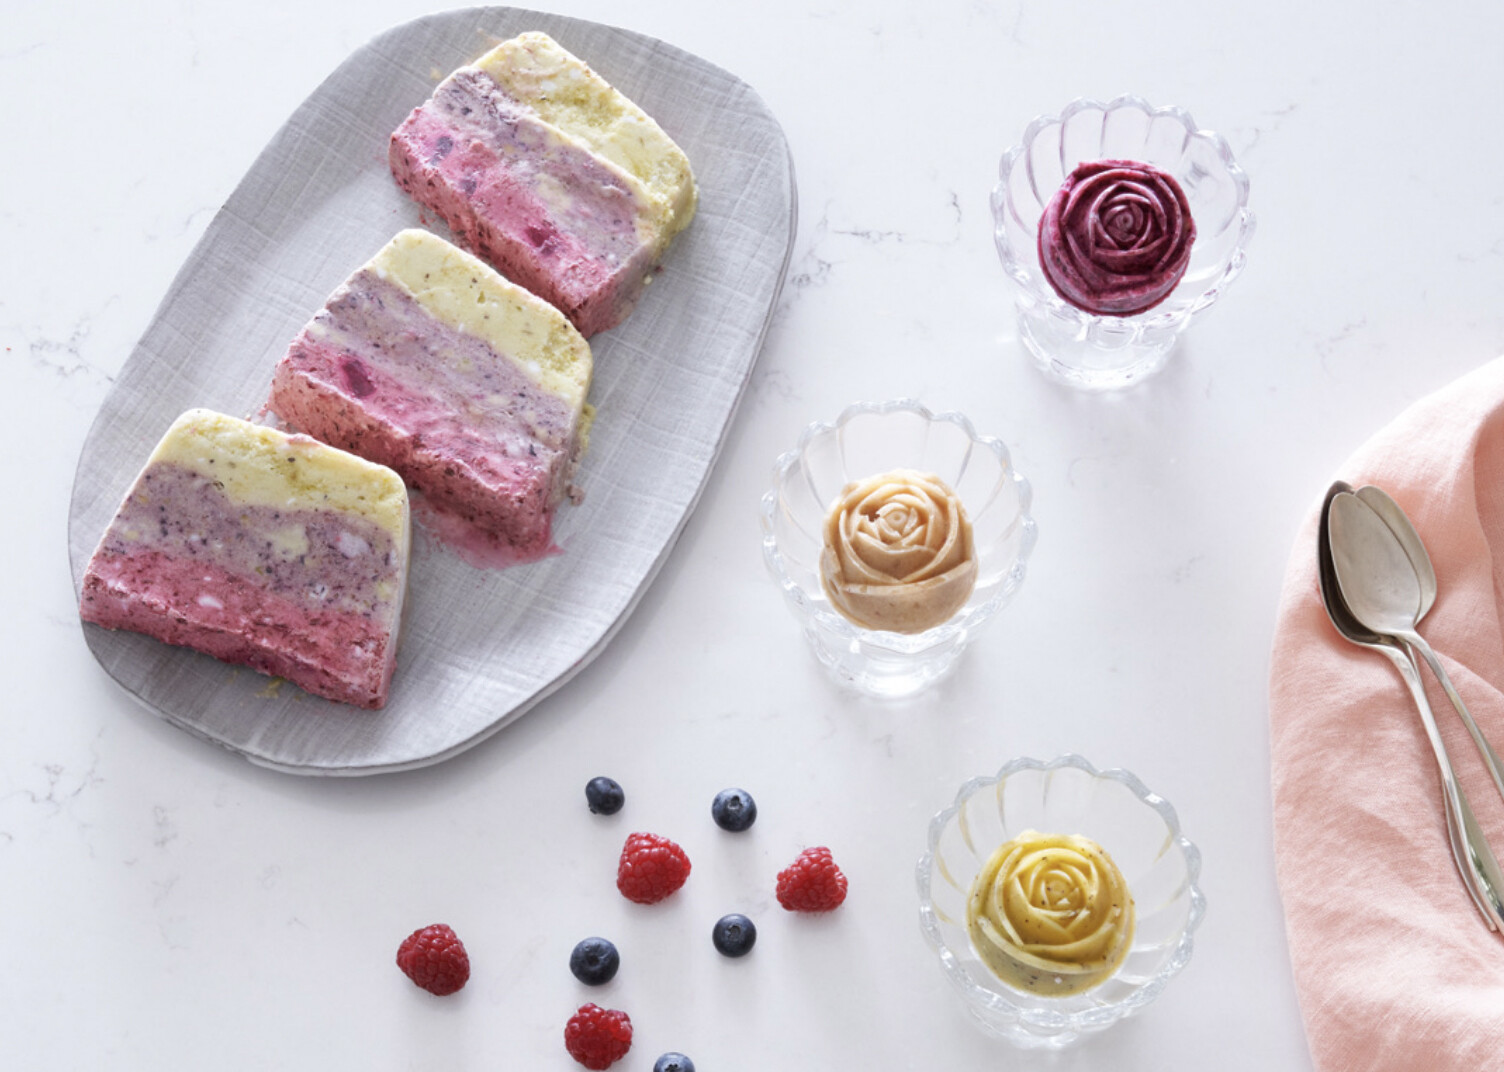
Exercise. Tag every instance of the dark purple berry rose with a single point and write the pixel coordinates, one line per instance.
(1116, 237)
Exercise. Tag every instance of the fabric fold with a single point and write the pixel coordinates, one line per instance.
(1394, 967)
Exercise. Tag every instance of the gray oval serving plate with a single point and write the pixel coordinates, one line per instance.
(479, 646)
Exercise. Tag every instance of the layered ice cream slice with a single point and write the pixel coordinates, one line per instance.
(430, 362)
(269, 550)
(551, 175)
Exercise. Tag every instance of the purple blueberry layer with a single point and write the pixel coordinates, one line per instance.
(324, 559)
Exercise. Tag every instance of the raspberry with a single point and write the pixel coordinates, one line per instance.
(597, 1037)
(651, 868)
(812, 883)
(435, 959)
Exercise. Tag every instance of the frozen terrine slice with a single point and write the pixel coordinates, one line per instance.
(428, 361)
(551, 175)
(260, 548)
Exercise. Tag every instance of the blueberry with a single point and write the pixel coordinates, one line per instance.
(594, 961)
(604, 796)
(733, 809)
(734, 935)
(673, 1062)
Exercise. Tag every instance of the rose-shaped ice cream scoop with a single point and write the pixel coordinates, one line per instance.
(898, 552)
(1116, 238)
(1050, 913)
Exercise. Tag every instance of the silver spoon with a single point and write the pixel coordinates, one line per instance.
(1475, 861)
(1404, 531)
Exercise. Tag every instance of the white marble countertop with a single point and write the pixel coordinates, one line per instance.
(164, 901)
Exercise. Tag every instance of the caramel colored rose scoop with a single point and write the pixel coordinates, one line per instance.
(898, 554)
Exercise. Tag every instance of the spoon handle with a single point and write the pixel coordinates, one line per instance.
(1475, 860)
(1490, 758)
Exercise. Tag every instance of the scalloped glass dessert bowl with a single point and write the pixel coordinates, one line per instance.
(868, 439)
(1099, 351)
(1067, 795)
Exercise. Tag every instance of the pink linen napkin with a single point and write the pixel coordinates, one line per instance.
(1394, 967)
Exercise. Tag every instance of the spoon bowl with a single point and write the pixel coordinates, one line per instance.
(1337, 610)
(1399, 523)
(1374, 573)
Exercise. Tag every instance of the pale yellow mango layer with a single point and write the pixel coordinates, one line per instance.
(567, 94)
(461, 290)
(260, 466)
